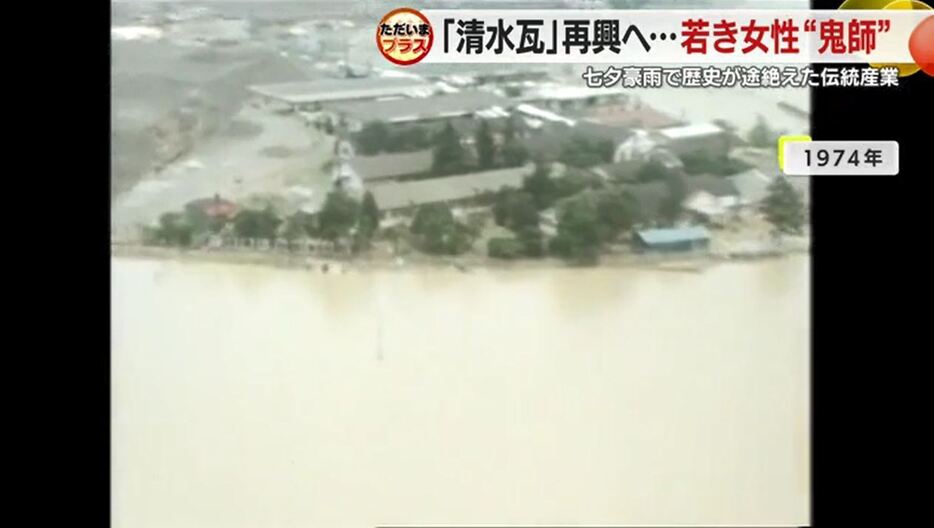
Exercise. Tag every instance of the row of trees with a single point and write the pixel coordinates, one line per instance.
(588, 218)
(342, 218)
(589, 215)
(377, 137)
(435, 231)
(450, 154)
(184, 228)
(451, 157)
(584, 153)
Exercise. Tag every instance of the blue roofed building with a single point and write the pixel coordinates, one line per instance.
(690, 238)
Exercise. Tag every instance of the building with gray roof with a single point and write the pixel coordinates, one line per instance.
(696, 137)
(688, 238)
(392, 165)
(714, 185)
(451, 189)
(414, 109)
(551, 139)
(620, 171)
(319, 91)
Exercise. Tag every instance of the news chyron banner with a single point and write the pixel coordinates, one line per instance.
(901, 35)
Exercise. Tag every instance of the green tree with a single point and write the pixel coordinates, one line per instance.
(246, 224)
(761, 135)
(338, 216)
(296, 227)
(783, 207)
(512, 90)
(449, 155)
(367, 223)
(513, 153)
(541, 186)
(515, 209)
(578, 152)
(461, 240)
(369, 214)
(175, 230)
(703, 162)
(584, 153)
(438, 233)
(250, 223)
(433, 226)
(360, 241)
(604, 149)
(652, 171)
(576, 180)
(373, 138)
(506, 248)
(532, 240)
(501, 206)
(672, 205)
(486, 150)
(579, 232)
(200, 222)
(431, 217)
(617, 212)
(510, 130)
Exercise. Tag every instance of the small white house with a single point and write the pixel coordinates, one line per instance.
(712, 198)
(635, 147)
(711, 206)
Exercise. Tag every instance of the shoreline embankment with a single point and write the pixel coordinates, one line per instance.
(681, 261)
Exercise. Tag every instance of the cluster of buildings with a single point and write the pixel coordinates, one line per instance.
(545, 115)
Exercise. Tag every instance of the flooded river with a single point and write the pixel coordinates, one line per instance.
(250, 397)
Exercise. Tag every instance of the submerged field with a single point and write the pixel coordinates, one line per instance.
(251, 397)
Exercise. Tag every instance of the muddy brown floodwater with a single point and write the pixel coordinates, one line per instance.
(251, 397)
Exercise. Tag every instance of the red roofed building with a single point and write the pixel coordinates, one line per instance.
(215, 208)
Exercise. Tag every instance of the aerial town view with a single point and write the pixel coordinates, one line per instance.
(348, 293)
